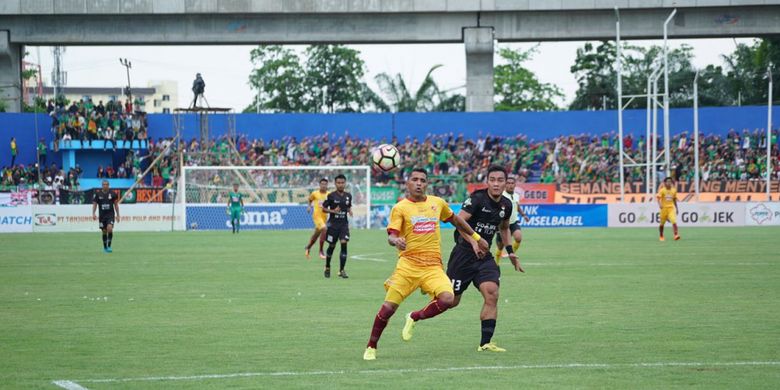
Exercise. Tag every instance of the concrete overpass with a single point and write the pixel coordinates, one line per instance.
(476, 23)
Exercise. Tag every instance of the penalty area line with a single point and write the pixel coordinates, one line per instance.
(76, 386)
(69, 385)
(366, 257)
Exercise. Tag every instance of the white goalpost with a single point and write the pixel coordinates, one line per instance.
(275, 197)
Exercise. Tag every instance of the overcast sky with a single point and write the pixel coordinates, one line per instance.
(226, 68)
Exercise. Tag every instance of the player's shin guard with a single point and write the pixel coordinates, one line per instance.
(329, 254)
(380, 322)
(105, 237)
(108, 240)
(488, 327)
(433, 309)
(343, 257)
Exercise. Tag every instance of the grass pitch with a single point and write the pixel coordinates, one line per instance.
(597, 308)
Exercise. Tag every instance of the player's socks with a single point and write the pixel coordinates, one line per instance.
(498, 254)
(661, 230)
(433, 309)
(674, 228)
(104, 241)
(342, 258)
(108, 241)
(488, 327)
(380, 322)
(331, 248)
(515, 245)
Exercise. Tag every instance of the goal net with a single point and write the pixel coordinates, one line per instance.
(274, 197)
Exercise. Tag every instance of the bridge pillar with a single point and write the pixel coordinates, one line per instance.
(10, 73)
(479, 68)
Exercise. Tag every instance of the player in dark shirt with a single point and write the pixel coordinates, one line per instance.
(338, 204)
(487, 212)
(107, 203)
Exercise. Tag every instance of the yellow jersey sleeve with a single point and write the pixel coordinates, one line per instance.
(396, 220)
(446, 212)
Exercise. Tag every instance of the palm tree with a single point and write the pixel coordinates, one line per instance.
(398, 98)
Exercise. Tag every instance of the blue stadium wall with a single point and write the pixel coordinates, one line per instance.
(535, 125)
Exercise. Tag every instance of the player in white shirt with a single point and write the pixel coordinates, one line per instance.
(514, 223)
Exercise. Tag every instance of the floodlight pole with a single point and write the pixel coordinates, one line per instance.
(769, 134)
(650, 104)
(696, 133)
(127, 64)
(619, 66)
(666, 94)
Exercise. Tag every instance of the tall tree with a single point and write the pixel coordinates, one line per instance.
(427, 97)
(334, 72)
(279, 80)
(518, 89)
(746, 69)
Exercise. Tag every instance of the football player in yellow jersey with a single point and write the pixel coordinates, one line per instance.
(667, 202)
(318, 216)
(414, 231)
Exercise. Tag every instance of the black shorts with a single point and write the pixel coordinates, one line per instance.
(103, 222)
(337, 233)
(464, 268)
(513, 227)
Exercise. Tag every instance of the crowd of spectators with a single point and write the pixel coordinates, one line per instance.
(565, 159)
(85, 121)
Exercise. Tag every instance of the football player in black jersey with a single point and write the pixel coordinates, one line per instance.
(487, 211)
(338, 204)
(107, 203)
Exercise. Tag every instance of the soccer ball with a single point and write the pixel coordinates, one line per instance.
(386, 157)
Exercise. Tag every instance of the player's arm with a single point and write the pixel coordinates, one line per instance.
(310, 207)
(658, 197)
(676, 210)
(116, 210)
(521, 212)
(506, 236)
(349, 208)
(394, 229)
(241, 198)
(460, 221)
(394, 240)
(326, 206)
(94, 208)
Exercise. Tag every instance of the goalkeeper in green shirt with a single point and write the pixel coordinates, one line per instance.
(235, 207)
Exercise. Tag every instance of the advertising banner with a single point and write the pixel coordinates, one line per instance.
(254, 217)
(709, 191)
(762, 214)
(688, 214)
(384, 195)
(137, 195)
(564, 216)
(78, 218)
(530, 193)
(15, 219)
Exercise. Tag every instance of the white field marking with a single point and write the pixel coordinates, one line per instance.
(69, 385)
(431, 369)
(366, 258)
(725, 264)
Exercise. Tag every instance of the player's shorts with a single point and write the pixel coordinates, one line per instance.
(337, 233)
(668, 214)
(513, 227)
(408, 277)
(319, 221)
(235, 213)
(464, 267)
(103, 222)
